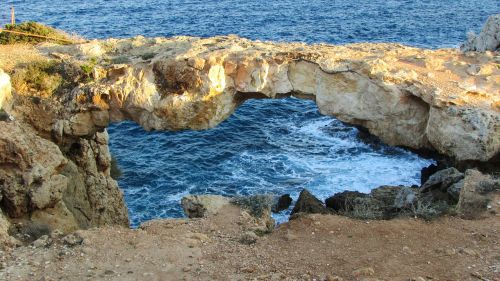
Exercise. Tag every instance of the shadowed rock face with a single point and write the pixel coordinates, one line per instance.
(432, 99)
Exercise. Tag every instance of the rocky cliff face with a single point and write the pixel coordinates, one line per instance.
(54, 155)
(442, 100)
(49, 181)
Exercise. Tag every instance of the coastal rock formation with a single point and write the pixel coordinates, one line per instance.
(40, 183)
(487, 40)
(54, 156)
(442, 100)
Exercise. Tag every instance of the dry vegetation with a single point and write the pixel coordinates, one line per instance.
(34, 28)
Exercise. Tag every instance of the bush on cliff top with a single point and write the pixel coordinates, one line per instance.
(46, 78)
(35, 28)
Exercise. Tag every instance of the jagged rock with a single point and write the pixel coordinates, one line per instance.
(343, 201)
(44, 186)
(309, 204)
(428, 171)
(283, 203)
(436, 188)
(487, 40)
(475, 193)
(198, 206)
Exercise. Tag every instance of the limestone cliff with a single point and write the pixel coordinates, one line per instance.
(442, 99)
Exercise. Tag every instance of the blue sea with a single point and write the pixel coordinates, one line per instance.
(267, 146)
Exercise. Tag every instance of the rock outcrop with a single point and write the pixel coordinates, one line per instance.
(308, 204)
(199, 206)
(442, 100)
(487, 40)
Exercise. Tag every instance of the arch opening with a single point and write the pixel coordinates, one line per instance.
(274, 146)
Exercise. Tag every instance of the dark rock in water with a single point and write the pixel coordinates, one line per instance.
(436, 187)
(343, 201)
(428, 171)
(307, 203)
(283, 202)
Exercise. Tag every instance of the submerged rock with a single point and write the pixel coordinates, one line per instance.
(309, 204)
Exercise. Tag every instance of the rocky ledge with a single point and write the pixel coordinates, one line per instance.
(54, 158)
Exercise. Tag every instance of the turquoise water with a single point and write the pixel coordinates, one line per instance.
(267, 146)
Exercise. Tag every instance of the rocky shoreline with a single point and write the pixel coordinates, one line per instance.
(57, 101)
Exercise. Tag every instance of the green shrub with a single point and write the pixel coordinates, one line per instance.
(45, 78)
(120, 60)
(257, 205)
(428, 210)
(41, 77)
(148, 56)
(32, 27)
(365, 209)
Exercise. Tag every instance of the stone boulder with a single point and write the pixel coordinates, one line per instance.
(428, 171)
(487, 40)
(437, 186)
(343, 201)
(307, 203)
(199, 206)
(282, 203)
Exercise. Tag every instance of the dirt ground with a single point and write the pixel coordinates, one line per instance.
(312, 247)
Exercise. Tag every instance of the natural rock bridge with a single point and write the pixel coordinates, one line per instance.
(441, 100)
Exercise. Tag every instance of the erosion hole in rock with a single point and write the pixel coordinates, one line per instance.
(267, 146)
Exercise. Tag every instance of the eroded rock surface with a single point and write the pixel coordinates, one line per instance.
(442, 100)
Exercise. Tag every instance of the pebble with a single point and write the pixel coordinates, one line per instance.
(365, 271)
